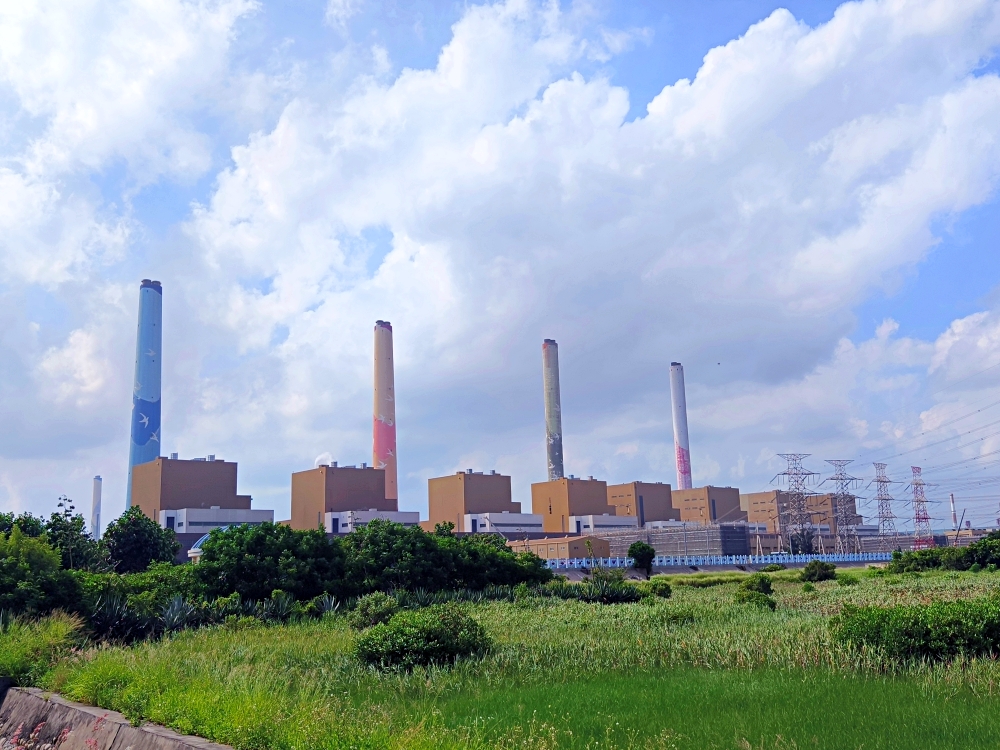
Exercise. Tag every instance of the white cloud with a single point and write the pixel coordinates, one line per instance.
(500, 197)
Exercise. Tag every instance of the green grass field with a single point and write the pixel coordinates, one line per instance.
(694, 671)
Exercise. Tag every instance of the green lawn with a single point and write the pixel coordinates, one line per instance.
(695, 671)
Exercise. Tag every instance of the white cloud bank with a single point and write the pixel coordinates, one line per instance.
(502, 197)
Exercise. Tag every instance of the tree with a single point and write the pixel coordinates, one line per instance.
(642, 555)
(133, 541)
(253, 561)
(65, 532)
(31, 580)
(383, 556)
(27, 523)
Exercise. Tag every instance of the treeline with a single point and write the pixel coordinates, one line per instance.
(130, 573)
(979, 555)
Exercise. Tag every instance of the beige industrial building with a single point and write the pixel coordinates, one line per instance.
(336, 489)
(176, 484)
(570, 547)
(708, 505)
(192, 497)
(555, 501)
(769, 507)
(451, 498)
(647, 501)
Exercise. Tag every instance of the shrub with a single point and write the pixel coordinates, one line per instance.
(845, 579)
(254, 561)
(31, 580)
(435, 635)
(656, 586)
(642, 555)
(772, 568)
(808, 587)
(975, 568)
(608, 592)
(935, 631)
(817, 570)
(372, 609)
(755, 598)
(759, 582)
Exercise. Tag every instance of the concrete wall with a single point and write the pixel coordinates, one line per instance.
(707, 505)
(60, 723)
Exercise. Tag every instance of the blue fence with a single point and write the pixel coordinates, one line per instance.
(698, 561)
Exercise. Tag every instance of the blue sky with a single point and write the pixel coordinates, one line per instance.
(808, 223)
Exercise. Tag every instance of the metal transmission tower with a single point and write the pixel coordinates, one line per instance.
(794, 518)
(842, 501)
(886, 519)
(923, 537)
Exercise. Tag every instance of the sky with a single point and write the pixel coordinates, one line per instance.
(797, 201)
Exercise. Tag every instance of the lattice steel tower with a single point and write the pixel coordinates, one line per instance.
(923, 537)
(888, 539)
(842, 497)
(795, 519)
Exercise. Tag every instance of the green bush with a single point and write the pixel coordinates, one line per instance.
(254, 561)
(845, 579)
(758, 582)
(975, 568)
(817, 570)
(772, 568)
(656, 586)
(434, 635)
(31, 579)
(755, 598)
(808, 587)
(372, 609)
(935, 631)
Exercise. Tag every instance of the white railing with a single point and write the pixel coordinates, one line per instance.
(698, 561)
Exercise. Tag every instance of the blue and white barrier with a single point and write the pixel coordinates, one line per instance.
(698, 561)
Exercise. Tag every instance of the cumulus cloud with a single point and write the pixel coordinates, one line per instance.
(502, 196)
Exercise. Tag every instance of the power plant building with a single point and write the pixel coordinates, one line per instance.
(337, 489)
(192, 497)
(144, 445)
(574, 547)
(507, 524)
(467, 493)
(709, 505)
(647, 501)
(558, 500)
(768, 508)
(598, 524)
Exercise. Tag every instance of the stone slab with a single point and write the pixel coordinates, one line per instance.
(31, 719)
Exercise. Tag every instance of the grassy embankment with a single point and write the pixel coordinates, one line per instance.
(696, 671)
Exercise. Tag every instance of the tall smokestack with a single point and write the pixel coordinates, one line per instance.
(553, 409)
(682, 449)
(95, 509)
(145, 443)
(954, 515)
(384, 422)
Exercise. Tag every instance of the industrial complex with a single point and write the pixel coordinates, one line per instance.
(569, 517)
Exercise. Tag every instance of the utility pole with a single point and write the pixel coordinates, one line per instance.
(923, 537)
(797, 521)
(842, 500)
(888, 539)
